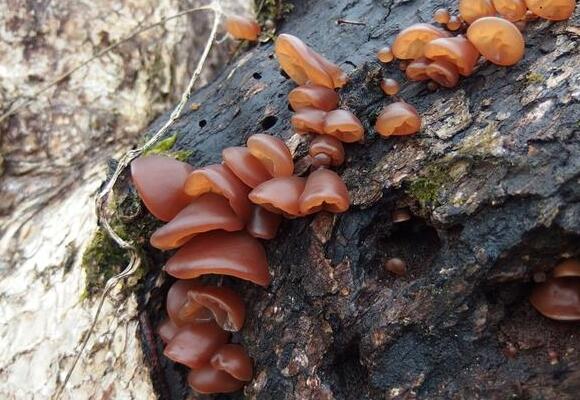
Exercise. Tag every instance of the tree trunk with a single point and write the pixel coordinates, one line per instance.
(491, 181)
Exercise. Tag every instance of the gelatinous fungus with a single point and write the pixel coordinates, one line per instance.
(417, 70)
(263, 224)
(243, 28)
(472, 10)
(167, 330)
(454, 23)
(513, 10)
(398, 119)
(385, 55)
(272, 153)
(208, 380)
(396, 266)
(343, 125)
(441, 16)
(498, 40)
(245, 166)
(444, 73)
(176, 299)
(233, 359)
(313, 96)
(390, 86)
(280, 195)
(330, 146)
(555, 10)
(567, 269)
(227, 306)
(324, 190)
(308, 120)
(558, 298)
(456, 50)
(410, 42)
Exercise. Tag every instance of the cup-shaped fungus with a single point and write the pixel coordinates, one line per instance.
(567, 269)
(410, 42)
(167, 330)
(555, 10)
(558, 298)
(263, 224)
(343, 125)
(304, 65)
(417, 70)
(498, 40)
(385, 55)
(233, 359)
(324, 190)
(206, 213)
(177, 298)
(272, 153)
(195, 344)
(280, 195)
(245, 166)
(243, 28)
(398, 119)
(219, 179)
(330, 146)
(308, 120)
(472, 10)
(227, 306)
(454, 23)
(444, 73)
(390, 86)
(513, 10)
(441, 15)
(313, 96)
(208, 380)
(234, 254)
(159, 181)
(456, 50)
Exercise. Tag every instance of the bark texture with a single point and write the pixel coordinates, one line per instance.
(492, 181)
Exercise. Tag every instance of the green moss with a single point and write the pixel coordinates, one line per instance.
(534, 77)
(427, 188)
(271, 11)
(164, 147)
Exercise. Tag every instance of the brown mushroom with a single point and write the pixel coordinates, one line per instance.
(441, 15)
(234, 254)
(243, 28)
(324, 190)
(329, 146)
(385, 55)
(304, 65)
(308, 120)
(456, 50)
(272, 153)
(219, 179)
(454, 23)
(343, 125)
(263, 224)
(558, 299)
(398, 119)
(417, 70)
(233, 359)
(396, 266)
(194, 345)
(400, 215)
(320, 160)
(313, 96)
(444, 73)
(159, 181)
(567, 269)
(555, 10)
(280, 195)
(177, 298)
(472, 10)
(226, 306)
(167, 330)
(513, 10)
(498, 40)
(390, 86)
(208, 380)
(410, 43)
(245, 166)
(206, 213)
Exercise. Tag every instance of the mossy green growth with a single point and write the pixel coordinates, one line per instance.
(164, 147)
(534, 77)
(427, 187)
(271, 11)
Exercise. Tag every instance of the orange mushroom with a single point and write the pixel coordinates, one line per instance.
(558, 298)
(177, 298)
(456, 50)
(343, 125)
(234, 254)
(243, 28)
(398, 119)
(385, 55)
(390, 86)
(195, 344)
(320, 160)
(567, 269)
(472, 10)
(206, 213)
(219, 179)
(324, 190)
(208, 380)
(226, 306)
(498, 40)
(313, 96)
(245, 166)
(444, 73)
(555, 10)
(233, 359)
(159, 181)
(280, 195)
(304, 65)
(272, 153)
(513, 10)
(167, 330)
(454, 23)
(308, 120)
(417, 70)
(329, 146)
(263, 224)
(441, 15)
(410, 43)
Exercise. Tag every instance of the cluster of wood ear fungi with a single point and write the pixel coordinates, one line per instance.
(216, 215)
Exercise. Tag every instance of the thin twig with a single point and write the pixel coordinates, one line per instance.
(101, 201)
(15, 108)
(349, 22)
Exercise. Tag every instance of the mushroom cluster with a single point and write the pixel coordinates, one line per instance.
(558, 298)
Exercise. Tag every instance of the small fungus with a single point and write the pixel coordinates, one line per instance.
(456, 50)
(329, 146)
(513, 10)
(313, 96)
(400, 215)
(398, 119)
(444, 73)
(410, 42)
(567, 269)
(558, 298)
(245, 166)
(233, 359)
(417, 70)
(555, 10)
(226, 306)
(454, 23)
(472, 10)
(441, 16)
(320, 160)
(396, 266)
(308, 120)
(324, 190)
(272, 153)
(390, 86)
(498, 40)
(243, 28)
(343, 125)
(208, 380)
(167, 330)
(263, 224)
(176, 299)
(385, 55)
(280, 195)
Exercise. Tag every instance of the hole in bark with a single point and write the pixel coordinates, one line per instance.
(257, 76)
(202, 123)
(269, 122)
(346, 370)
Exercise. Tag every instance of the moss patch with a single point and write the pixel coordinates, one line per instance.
(269, 13)
(165, 147)
(534, 77)
(428, 187)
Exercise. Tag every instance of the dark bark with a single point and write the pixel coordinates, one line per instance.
(492, 181)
